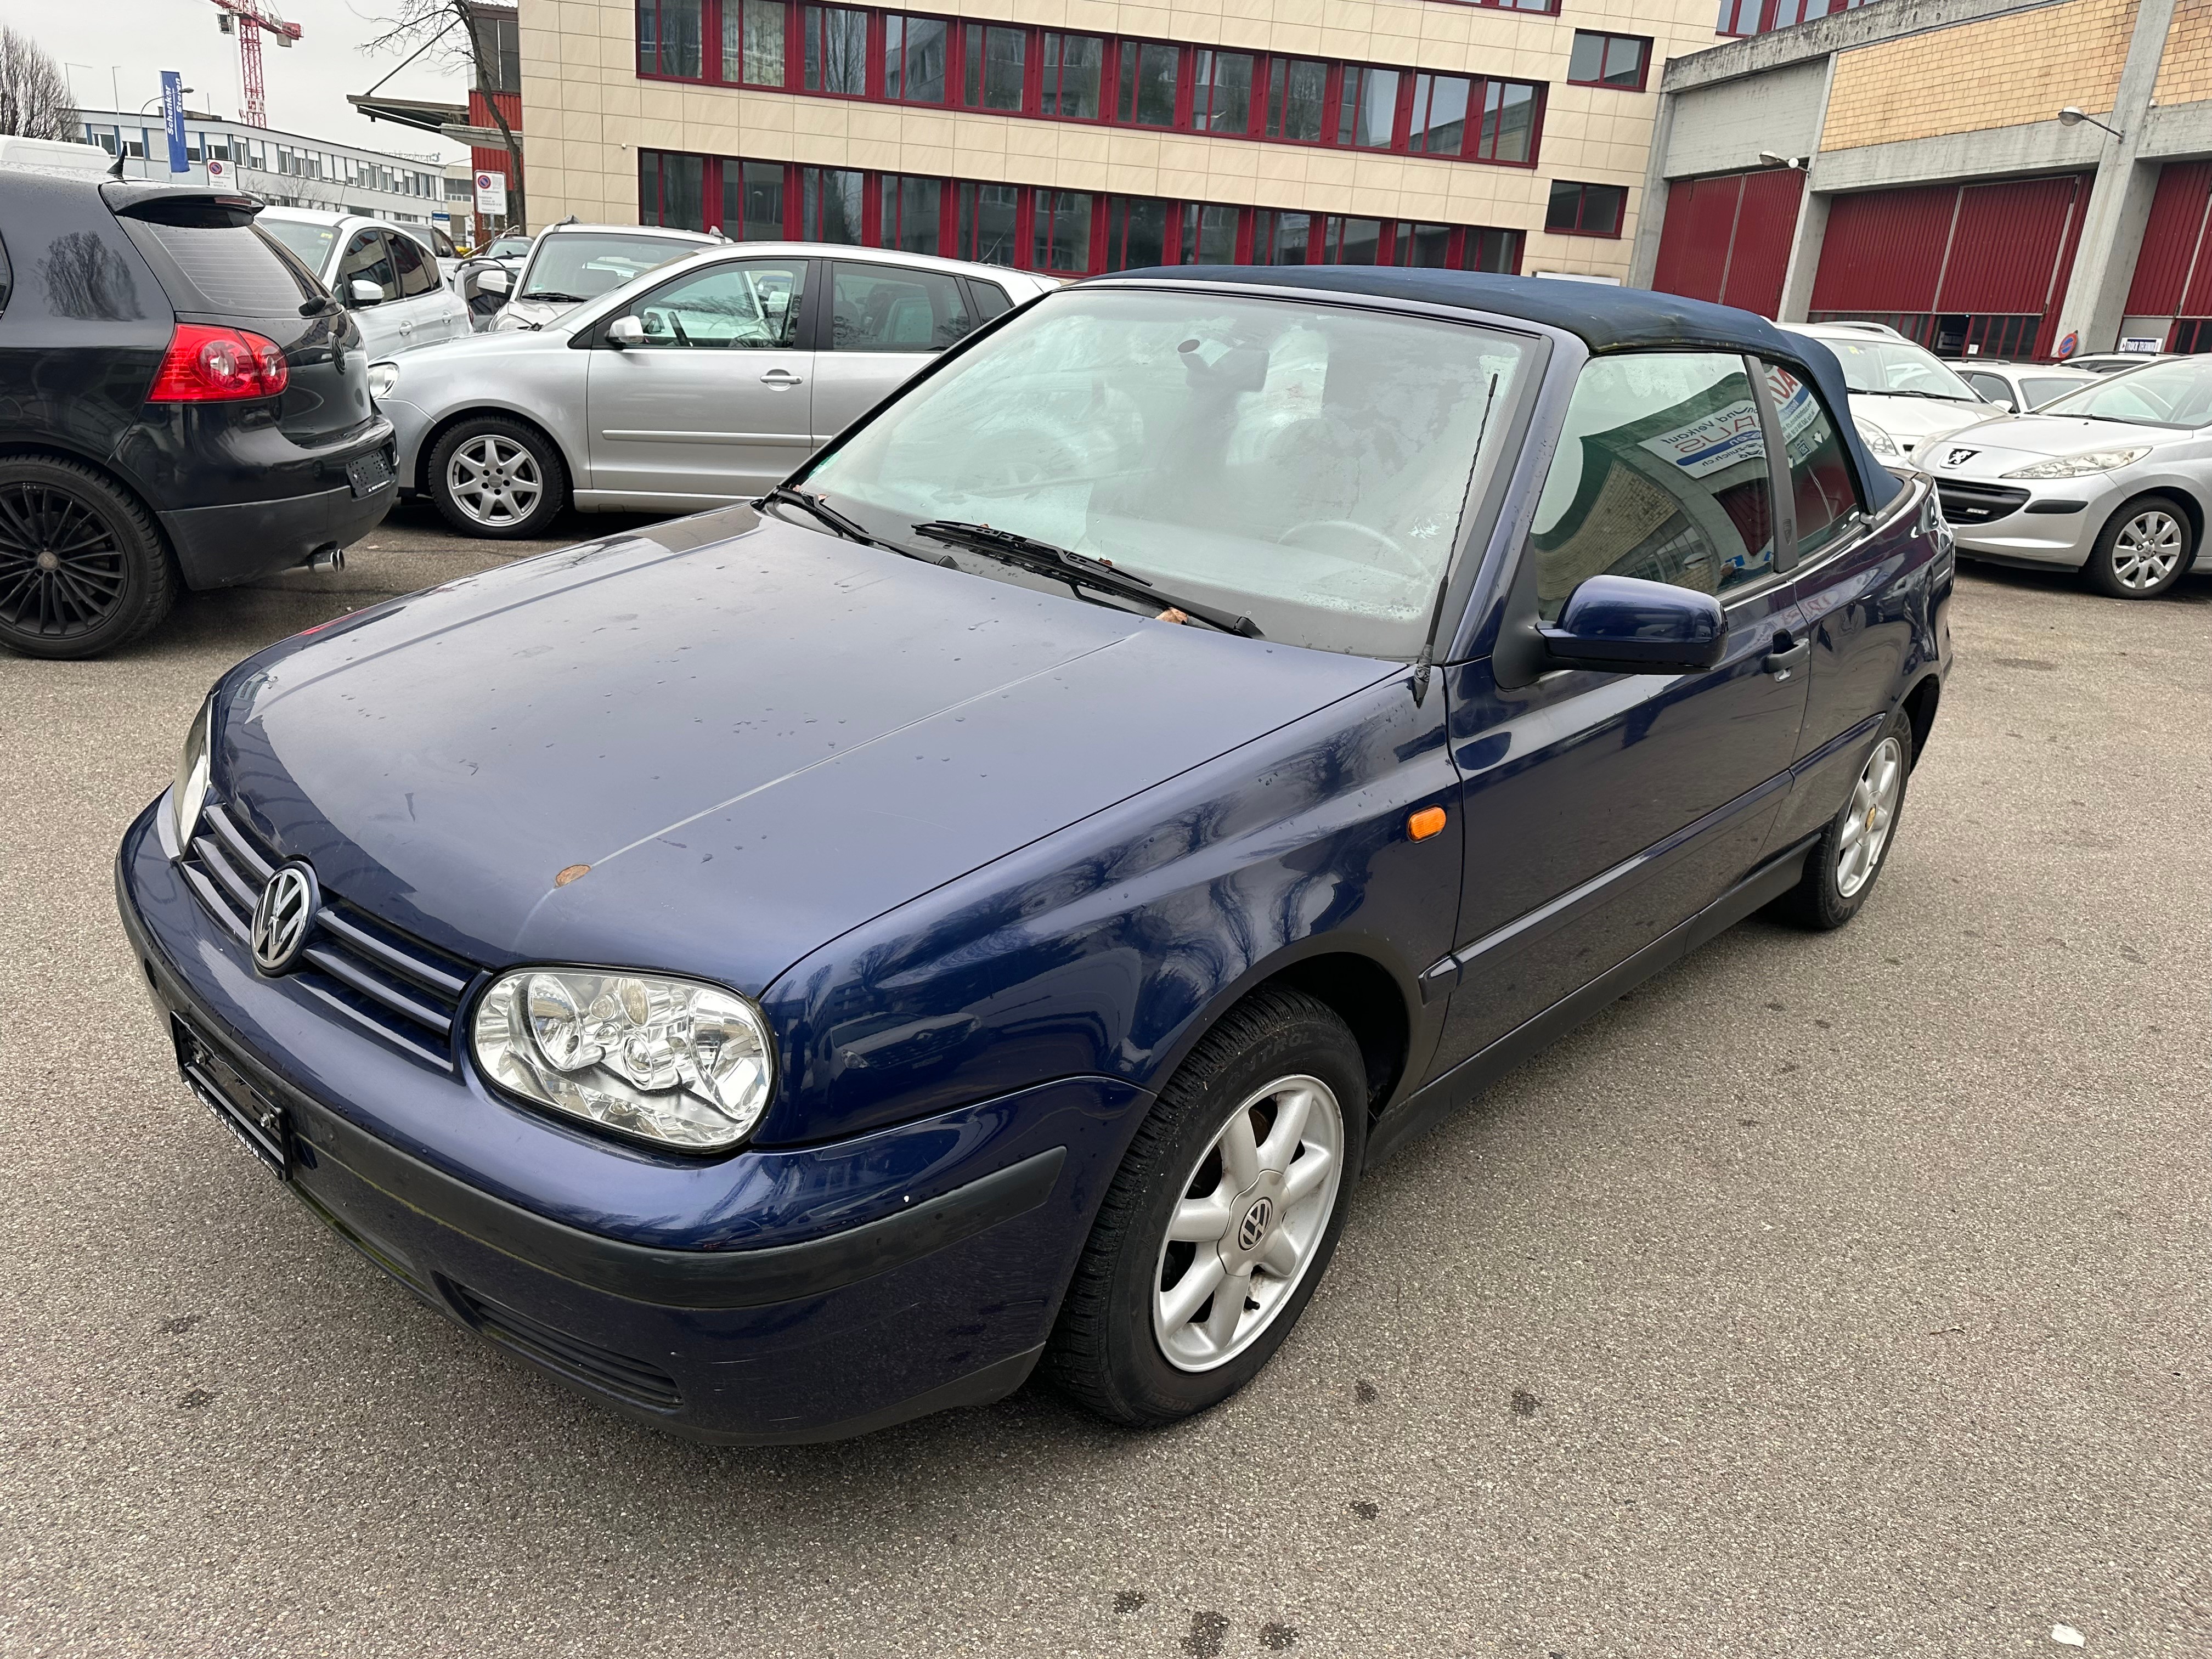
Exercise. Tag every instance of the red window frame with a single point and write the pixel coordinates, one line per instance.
(1642, 43)
(1582, 209)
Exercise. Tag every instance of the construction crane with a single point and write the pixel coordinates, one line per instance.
(248, 19)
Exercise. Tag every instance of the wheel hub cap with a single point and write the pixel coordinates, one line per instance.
(1874, 809)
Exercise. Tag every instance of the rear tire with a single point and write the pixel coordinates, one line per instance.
(1270, 1199)
(2144, 550)
(1841, 869)
(497, 478)
(83, 569)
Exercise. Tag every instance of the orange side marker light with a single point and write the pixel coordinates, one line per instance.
(1429, 821)
(570, 874)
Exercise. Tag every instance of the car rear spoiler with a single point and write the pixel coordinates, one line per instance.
(172, 204)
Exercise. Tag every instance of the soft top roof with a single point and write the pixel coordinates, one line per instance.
(1605, 318)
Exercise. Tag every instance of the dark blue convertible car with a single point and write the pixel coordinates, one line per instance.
(982, 907)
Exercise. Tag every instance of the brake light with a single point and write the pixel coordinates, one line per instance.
(214, 365)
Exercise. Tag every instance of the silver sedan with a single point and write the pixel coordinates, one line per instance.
(700, 383)
(2112, 481)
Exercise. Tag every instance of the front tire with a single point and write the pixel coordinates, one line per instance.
(1841, 869)
(2143, 551)
(497, 478)
(1222, 1218)
(83, 569)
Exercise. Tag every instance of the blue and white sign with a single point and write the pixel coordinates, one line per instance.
(173, 117)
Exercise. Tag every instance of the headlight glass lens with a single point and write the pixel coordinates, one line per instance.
(668, 1060)
(1878, 443)
(382, 377)
(188, 793)
(2075, 466)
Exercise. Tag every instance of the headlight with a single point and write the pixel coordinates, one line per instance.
(2075, 467)
(382, 377)
(668, 1060)
(1878, 443)
(188, 793)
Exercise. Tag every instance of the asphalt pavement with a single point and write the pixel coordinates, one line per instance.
(1830, 1296)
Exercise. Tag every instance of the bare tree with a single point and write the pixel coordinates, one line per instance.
(34, 99)
(447, 32)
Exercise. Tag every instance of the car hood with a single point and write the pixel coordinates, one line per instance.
(1996, 447)
(539, 312)
(471, 357)
(747, 737)
(1913, 421)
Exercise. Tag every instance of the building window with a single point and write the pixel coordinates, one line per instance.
(1062, 231)
(1221, 91)
(1073, 67)
(668, 38)
(1209, 235)
(914, 59)
(1439, 120)
(989, 228)
(671, 190)
(911, 214)
(1508, 122)
(1280, 239)
(1367, 112)
(1585, 209)
(1148, 82)
(1347, 241)
(498, 51)
(995, 67)
(1425, 245)
(830, 205)
(753, 42)
(1608, 60)
(752, 201)
(836, 50)
(1763, 16)
(1297, 90)
(1136, 232)
(1495, 251)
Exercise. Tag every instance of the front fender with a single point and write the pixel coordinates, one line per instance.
(1108, 947)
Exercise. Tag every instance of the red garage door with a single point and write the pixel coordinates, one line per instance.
(1964, 269)
(1727, 238)
(2173, 275)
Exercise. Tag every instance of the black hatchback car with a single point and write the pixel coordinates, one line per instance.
(181, 402)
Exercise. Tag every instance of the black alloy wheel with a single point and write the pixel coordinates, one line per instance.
(82, 568)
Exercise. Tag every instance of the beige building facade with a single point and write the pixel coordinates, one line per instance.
(1081, 136)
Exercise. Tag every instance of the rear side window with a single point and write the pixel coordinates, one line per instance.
(1989, 386)
(991, 300)
(228, 268)
(418, 276)
(1661, 473)
(1819, 476)
(891, 308)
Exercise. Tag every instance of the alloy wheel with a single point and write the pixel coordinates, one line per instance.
(2147, 550)
(494, 480)
(1873, 809)
(1249, 1223)
(62, 570)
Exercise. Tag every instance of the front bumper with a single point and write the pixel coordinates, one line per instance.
(410, 426)
(2046, 521)
(920, 1269)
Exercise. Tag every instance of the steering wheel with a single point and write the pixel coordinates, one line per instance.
(1395, 556)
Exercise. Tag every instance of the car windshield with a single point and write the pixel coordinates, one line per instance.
(2176, 392)
(1304, 464)
(510, 247)
(587, 263)
(2037, 390)
(1897, 369)
(309, 241)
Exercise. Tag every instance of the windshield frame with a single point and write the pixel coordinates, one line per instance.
(1884, 341)
(1479, 541)
(679, 248)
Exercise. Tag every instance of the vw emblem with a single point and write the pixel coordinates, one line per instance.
(1253, 1227)
(1960, 457)
(284, 918)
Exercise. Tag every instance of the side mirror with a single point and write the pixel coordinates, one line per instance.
(1625, 625)
(494, 281)
(362, 293)
(2005, 403)
(624, 332)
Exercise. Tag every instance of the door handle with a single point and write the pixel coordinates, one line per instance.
(781, 379)
(1786, 656)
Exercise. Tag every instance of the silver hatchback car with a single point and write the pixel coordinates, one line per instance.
(702, 382)
(2112, 480)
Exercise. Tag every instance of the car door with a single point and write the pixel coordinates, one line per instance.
(385, 327)
(885, 321)
(426, 316)
(716, 402)
(1601, 810)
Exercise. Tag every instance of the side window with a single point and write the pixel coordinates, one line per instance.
(444, 244)
(1661, 473)
(418, 276)
(892, 308)
(991, 300)
(1989, 386)
(751, 305)
(1819, 476)
(368, 260)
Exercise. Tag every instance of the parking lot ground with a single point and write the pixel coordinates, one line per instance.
(1833, 1295)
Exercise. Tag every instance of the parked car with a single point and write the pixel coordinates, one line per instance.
(701, 383)
(2113, 480)
(796, 968)
(2016, 388)
(378, 271)
(570, 264)
(1903, 395)
(182, 404)
(438, 244)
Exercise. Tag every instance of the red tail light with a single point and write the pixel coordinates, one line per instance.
(214, 364)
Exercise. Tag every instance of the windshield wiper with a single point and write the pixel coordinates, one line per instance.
(837, 521)
(1027, 553)
(554, 294)
(1910, 392)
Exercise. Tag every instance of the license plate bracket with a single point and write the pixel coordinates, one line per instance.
(369, 473)
(258, 1122)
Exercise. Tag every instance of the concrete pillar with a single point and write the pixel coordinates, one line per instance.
(1651, 209)
(1804, 255)
(2119, 201)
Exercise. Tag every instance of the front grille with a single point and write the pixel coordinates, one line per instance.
(1977, 503)
(602, 1369)
(403, 990)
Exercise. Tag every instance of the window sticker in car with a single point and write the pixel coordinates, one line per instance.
(1713, 442)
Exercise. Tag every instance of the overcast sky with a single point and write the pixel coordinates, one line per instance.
(306, 86)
